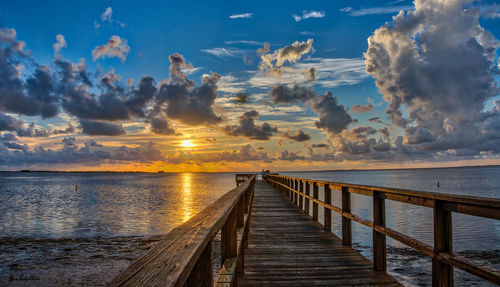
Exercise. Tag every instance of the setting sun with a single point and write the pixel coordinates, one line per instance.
(187, 143)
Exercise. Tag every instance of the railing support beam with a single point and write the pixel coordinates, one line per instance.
(229, 237)
(202, 273)
(328, 212)
(379, 247)
(315, 205)
(346, 222)
(442, 273)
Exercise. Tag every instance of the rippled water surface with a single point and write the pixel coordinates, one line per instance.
(54, 205)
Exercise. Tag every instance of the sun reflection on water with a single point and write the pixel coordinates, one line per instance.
(187, 197)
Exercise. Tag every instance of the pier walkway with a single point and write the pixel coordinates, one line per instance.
(287, 248)
(271, 235)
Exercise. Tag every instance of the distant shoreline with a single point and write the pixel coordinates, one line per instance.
(306, 171)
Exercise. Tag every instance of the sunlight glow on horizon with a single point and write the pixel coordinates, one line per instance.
(187, 144)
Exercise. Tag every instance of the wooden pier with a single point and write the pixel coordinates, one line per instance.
(270, 236)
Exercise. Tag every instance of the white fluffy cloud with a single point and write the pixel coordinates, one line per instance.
(435, 66)
(116, 47)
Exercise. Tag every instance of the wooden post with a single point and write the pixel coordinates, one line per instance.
(442, 274)
(308, 187)
(301, 198)
(315, 205)
(289, 192)
(229, 237)
(346, 222)
(202, 273)
(295, 187)
(327, 212)
(379, 248)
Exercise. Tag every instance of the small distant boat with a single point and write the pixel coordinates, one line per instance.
(25, 170)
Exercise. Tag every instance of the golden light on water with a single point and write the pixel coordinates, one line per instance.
(187, 144)
(187, 196)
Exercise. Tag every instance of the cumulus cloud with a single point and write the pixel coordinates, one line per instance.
(248, 128)
(160, 125)
(272, 62)
(116, 47)
(299, 136)
(309, 14)
(190, 104)
(59, 44)
(361, 109)
(32, 96)
(333, 117)
(241, 16)
(8, 123)
(435, 66)
(282, 94)
(89, 154)
(311, 74)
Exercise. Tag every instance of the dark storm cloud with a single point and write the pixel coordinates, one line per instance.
(31, 98)
(91, 127)
(98, 103)
(190, 104)
(161, 126)
(8, 123)
(436, 68)
(333, 116)
(8, 137)
(248, 128)
(282, 94)
(299, 136)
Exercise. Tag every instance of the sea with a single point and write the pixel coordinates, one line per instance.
(82, 229)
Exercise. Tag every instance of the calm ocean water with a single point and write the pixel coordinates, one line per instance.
(47, 206)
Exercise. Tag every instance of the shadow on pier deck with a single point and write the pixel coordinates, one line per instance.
(287, 248)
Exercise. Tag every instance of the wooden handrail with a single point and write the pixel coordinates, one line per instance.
(443, 205)
(184, 255)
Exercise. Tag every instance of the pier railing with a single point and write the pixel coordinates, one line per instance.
(301, 191)
(184, 257)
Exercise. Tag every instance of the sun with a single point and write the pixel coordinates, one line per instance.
(187, 143)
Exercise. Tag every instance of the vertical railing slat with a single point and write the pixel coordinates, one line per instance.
(229, 237)
(315, 205)
(308, 187)
(379, 247)
(442, 273)
(202, 273)
(346, 222)
(328, 212)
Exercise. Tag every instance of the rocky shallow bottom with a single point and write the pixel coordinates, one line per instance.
(95, 261)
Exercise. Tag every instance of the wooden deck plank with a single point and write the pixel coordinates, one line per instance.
(287, 248)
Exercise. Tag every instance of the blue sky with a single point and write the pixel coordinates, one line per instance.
(224, 37)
